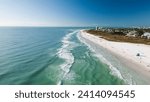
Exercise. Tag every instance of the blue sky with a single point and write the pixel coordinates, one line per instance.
(74, 12)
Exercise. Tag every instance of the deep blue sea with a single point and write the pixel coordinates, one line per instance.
(50, 56)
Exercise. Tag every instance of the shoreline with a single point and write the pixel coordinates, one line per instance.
(126, 55)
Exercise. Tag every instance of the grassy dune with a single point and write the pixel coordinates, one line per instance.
(119, 37)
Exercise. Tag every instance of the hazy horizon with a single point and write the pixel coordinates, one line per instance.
(75, 13)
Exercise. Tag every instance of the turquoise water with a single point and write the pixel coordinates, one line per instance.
(50, 56)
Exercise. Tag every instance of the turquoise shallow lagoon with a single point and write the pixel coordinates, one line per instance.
(50, 56)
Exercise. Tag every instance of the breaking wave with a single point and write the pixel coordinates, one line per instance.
(114, 71)
(65, 53)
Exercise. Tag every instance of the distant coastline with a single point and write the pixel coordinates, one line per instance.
(132, 35)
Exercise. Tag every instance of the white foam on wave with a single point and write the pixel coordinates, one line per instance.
(114, 71)
(65, 53)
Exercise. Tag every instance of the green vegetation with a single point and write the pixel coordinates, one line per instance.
(120, 36)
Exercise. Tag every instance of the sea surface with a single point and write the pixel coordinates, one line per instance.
(51, 56)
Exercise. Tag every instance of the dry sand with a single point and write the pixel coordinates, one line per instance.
(134, 56)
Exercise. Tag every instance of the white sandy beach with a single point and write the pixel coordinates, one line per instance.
(126, 53)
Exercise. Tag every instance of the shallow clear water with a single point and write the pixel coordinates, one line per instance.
(49, 55)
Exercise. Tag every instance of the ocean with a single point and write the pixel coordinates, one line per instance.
(51, 56)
